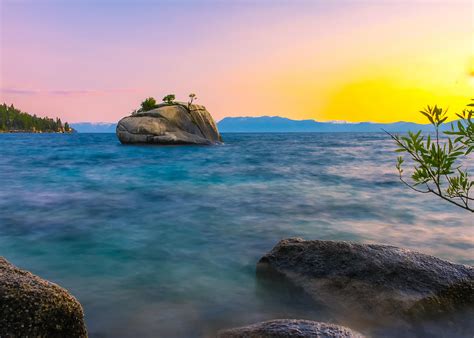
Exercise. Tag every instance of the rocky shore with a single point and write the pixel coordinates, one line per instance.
(366, 284)
(380, 288)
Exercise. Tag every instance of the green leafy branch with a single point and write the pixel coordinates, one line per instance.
(465, 129)
(436, 161)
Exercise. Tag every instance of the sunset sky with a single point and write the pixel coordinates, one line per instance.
(370, 60)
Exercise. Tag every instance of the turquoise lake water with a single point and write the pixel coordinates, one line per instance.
(163, 241)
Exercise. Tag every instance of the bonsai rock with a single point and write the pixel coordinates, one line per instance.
(174, 123)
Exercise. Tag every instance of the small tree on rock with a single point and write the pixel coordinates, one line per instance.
(192, 97)
(148, 104)
(169, 99)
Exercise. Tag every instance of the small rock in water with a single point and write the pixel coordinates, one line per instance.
(33, 307)
(282, 328)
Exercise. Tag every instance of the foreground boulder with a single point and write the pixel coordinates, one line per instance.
(169, 124)
(290, 328)
(370, 281)
(33, 307)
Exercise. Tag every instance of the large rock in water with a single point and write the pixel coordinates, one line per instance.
(33, 307)
(283, 328)
(370, 281)
(169, 124)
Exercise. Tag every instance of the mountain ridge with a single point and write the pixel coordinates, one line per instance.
(94, 127)
(277, 124)
(283, 124)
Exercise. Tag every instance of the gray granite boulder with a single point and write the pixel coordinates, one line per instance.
(370, 281)
(282, 328)
(33, 307)
(169, 124)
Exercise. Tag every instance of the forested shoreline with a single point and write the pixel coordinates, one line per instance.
(13, 120)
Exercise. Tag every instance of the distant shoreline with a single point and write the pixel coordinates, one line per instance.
(14, 121)
(275, 124)
(34, 132)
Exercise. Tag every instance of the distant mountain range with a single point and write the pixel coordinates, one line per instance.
(276, 124)
(89, 127)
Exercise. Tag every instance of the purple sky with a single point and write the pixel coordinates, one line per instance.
(96, 60)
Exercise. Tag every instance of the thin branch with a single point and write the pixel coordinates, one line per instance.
(452, 201)
(459, 194)
(435, 177)
(412, 187)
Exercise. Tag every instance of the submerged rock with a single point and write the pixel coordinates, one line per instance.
(282, 328)
(370, 282)
(169, 124)
(33, 307)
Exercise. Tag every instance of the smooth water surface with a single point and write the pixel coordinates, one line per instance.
(163, 241)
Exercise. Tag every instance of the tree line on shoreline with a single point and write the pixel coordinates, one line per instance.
(15, 120)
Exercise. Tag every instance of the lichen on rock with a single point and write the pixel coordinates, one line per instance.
(33, 307)
(284, 328)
